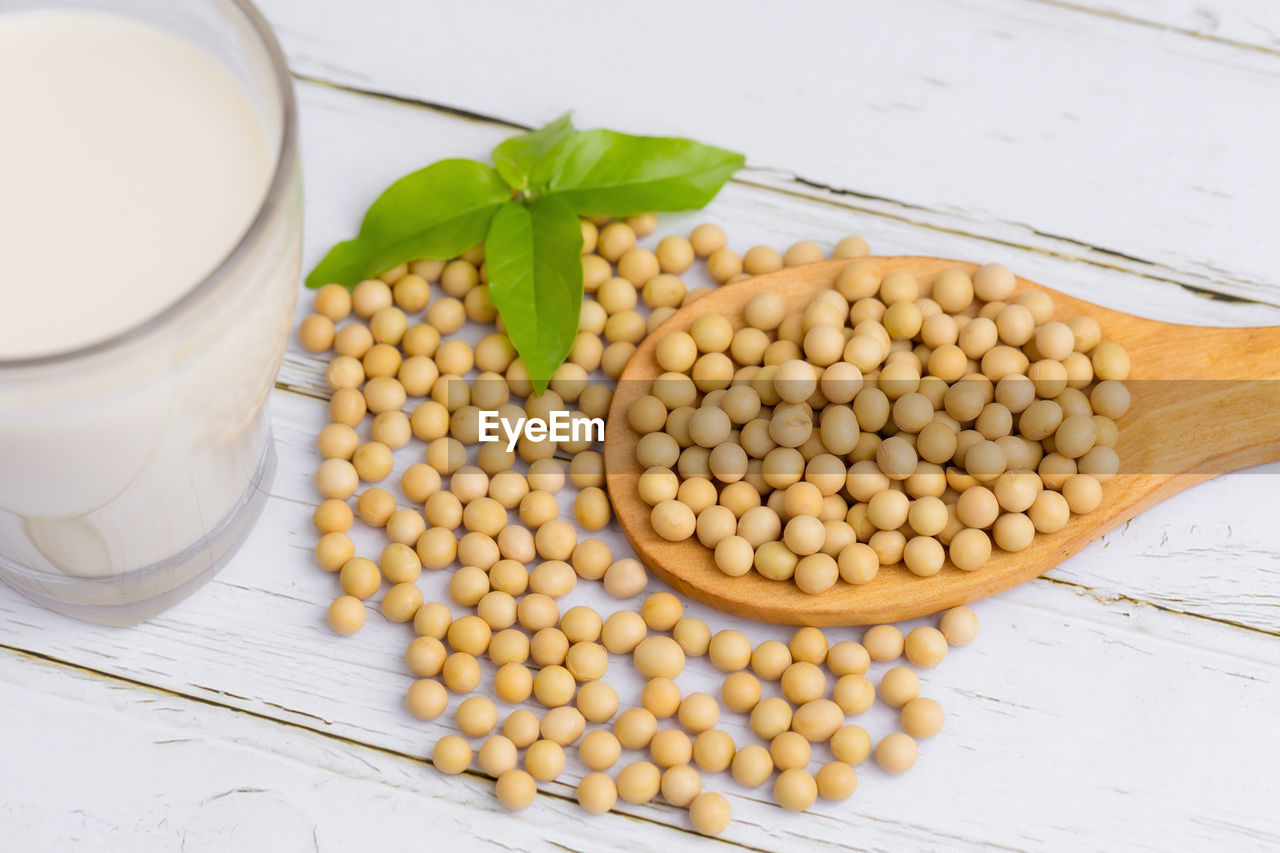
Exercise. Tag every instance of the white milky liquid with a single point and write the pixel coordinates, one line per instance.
(130, 164)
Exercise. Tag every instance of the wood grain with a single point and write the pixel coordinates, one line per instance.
(1222, 414)
(925, 104)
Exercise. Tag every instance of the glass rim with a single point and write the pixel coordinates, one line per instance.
(277, 189)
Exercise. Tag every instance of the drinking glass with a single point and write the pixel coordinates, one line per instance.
(132, 469)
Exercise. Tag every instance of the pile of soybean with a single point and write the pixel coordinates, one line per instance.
(406, 386)
(886, 422)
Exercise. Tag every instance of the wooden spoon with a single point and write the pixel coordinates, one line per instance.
(1174, 435)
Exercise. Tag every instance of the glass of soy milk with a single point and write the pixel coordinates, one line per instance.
(150, 229)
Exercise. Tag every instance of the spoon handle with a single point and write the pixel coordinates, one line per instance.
(1205, 400)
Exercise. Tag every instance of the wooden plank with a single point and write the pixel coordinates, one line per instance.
(1139, 284)
(1129, 140)
(141, 769)
(1050, 717)
(1211, 551)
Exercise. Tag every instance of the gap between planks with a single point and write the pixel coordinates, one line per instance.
(1108, 598)
(784, 182)
(1160, 26)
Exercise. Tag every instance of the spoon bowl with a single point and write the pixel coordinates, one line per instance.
(1205, 401)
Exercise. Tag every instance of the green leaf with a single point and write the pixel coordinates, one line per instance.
(603, 173)
(533, 255)
(437, 212)
(516, 157)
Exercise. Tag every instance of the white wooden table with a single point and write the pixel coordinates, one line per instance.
(1119, 150)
